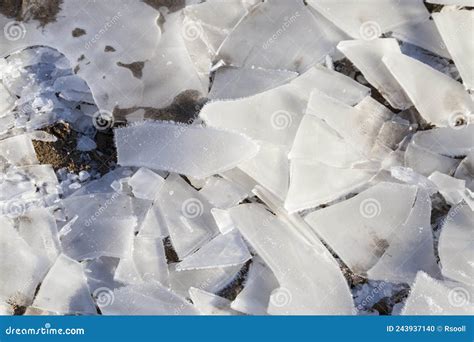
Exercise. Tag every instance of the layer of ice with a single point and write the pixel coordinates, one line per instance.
(190, 150)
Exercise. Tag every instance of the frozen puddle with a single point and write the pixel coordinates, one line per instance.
(238, 157)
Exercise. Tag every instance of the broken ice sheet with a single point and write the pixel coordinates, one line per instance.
(369, 19)
(223, 250)
(425, 162)
(38, 228)
(288, 38)
(17, 150)
(18, 284)
(146, 299)
(65, 290)
(465, 171)
(456, 244)
(367, 57)
(303, 287)
(191, 150)
(145, 183)
(440, 99)
(210, 304)
(430, 296)
(372, 221)
(101, 70)
(447, 141)
(209, 279)
(449, 187)
(104, 227)
(234, 83)
(255, 296)
(330, 182)
(187, 215)
(150, 260)
(222, 193)
(456, 29)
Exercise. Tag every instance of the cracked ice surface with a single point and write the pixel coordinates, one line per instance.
(283, 158)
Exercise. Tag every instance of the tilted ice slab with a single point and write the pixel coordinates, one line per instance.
(209, 279)
(146, 299)
(314, 183)
(104, 226)
(150, 259)
(145, 183)
(447, 141)
(367, 57)
(235, 83)
(310, 279)
(65, 290)
(186, 214)
(38, 228)
(222, 193)
(430, 296)
(223, 250)
(456, 28)
(191, 150)
(262, 168)
(17, 150)
(369, 19)
(105, 24)
(465, 171)
(288, 38)
(274, 115)
(210, 304)
(373, 221)
(18, 284)
(255, 296)
(411, 248)
(456, 244)
(439, 99)
(423, 34)
(425, 162)
(450, 188)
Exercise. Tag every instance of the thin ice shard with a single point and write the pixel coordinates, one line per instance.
(210, 304)
(330, 182)
(288, 38)
(146, 299)
(304, 289)
(430, 296)
(20, 284)
(447, 141)
(186, 214)
(425, 162)
(465, 171)
(447, 101)
(369, 19)
(150, 260)
(456, 244)
(191, 150)
(370, 221)
(145, 183)
(411, 247)
(64, 289)
(234, 83)
(367, 57)
(255, 297)
(456, 27)
(17, 150)
(222, 193)
(222, 251)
